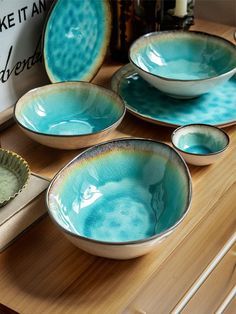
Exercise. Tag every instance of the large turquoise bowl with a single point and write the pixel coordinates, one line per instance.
(183, 64)
(121, 198)
(69, 115)
(76, 38)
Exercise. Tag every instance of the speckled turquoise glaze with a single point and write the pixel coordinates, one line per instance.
(217, 107)
(183, 55)
(121, 191)
(67, 109)
(200, 139)
(76, 38)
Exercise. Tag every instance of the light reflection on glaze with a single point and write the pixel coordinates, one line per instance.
(216, 108)
(123, 193)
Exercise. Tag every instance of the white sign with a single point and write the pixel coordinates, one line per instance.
(21, 68)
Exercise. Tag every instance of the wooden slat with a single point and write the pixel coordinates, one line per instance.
(231, 308)
(216, 288)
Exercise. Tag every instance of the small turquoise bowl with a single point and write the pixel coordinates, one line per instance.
(69, 115)
(183, 64)
(121, 198)
(200, 144)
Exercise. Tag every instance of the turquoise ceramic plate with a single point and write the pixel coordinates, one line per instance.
(76, 39)
(216, 108)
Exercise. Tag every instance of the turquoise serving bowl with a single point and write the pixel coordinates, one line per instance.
(200, 144)
(183, 64)
(69, 115)
(121, 198)
(76, 38)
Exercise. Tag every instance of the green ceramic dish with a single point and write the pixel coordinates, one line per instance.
(14, 174)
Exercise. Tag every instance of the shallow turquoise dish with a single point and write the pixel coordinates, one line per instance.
(120, 198)
(200, 144)
(143, 100)
(76, 37)
(183, 64)
(69, 115)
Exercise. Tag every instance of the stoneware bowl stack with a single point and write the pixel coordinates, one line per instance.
(200, 144)
(69, 115)
(121, 198)
(183, 64)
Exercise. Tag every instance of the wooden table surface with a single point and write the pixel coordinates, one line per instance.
(192, 271)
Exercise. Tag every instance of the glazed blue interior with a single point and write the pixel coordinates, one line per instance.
(184, 55)
(123, 191)
(75, 39)
(200, 140)
(74, 109)
(215, 108)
